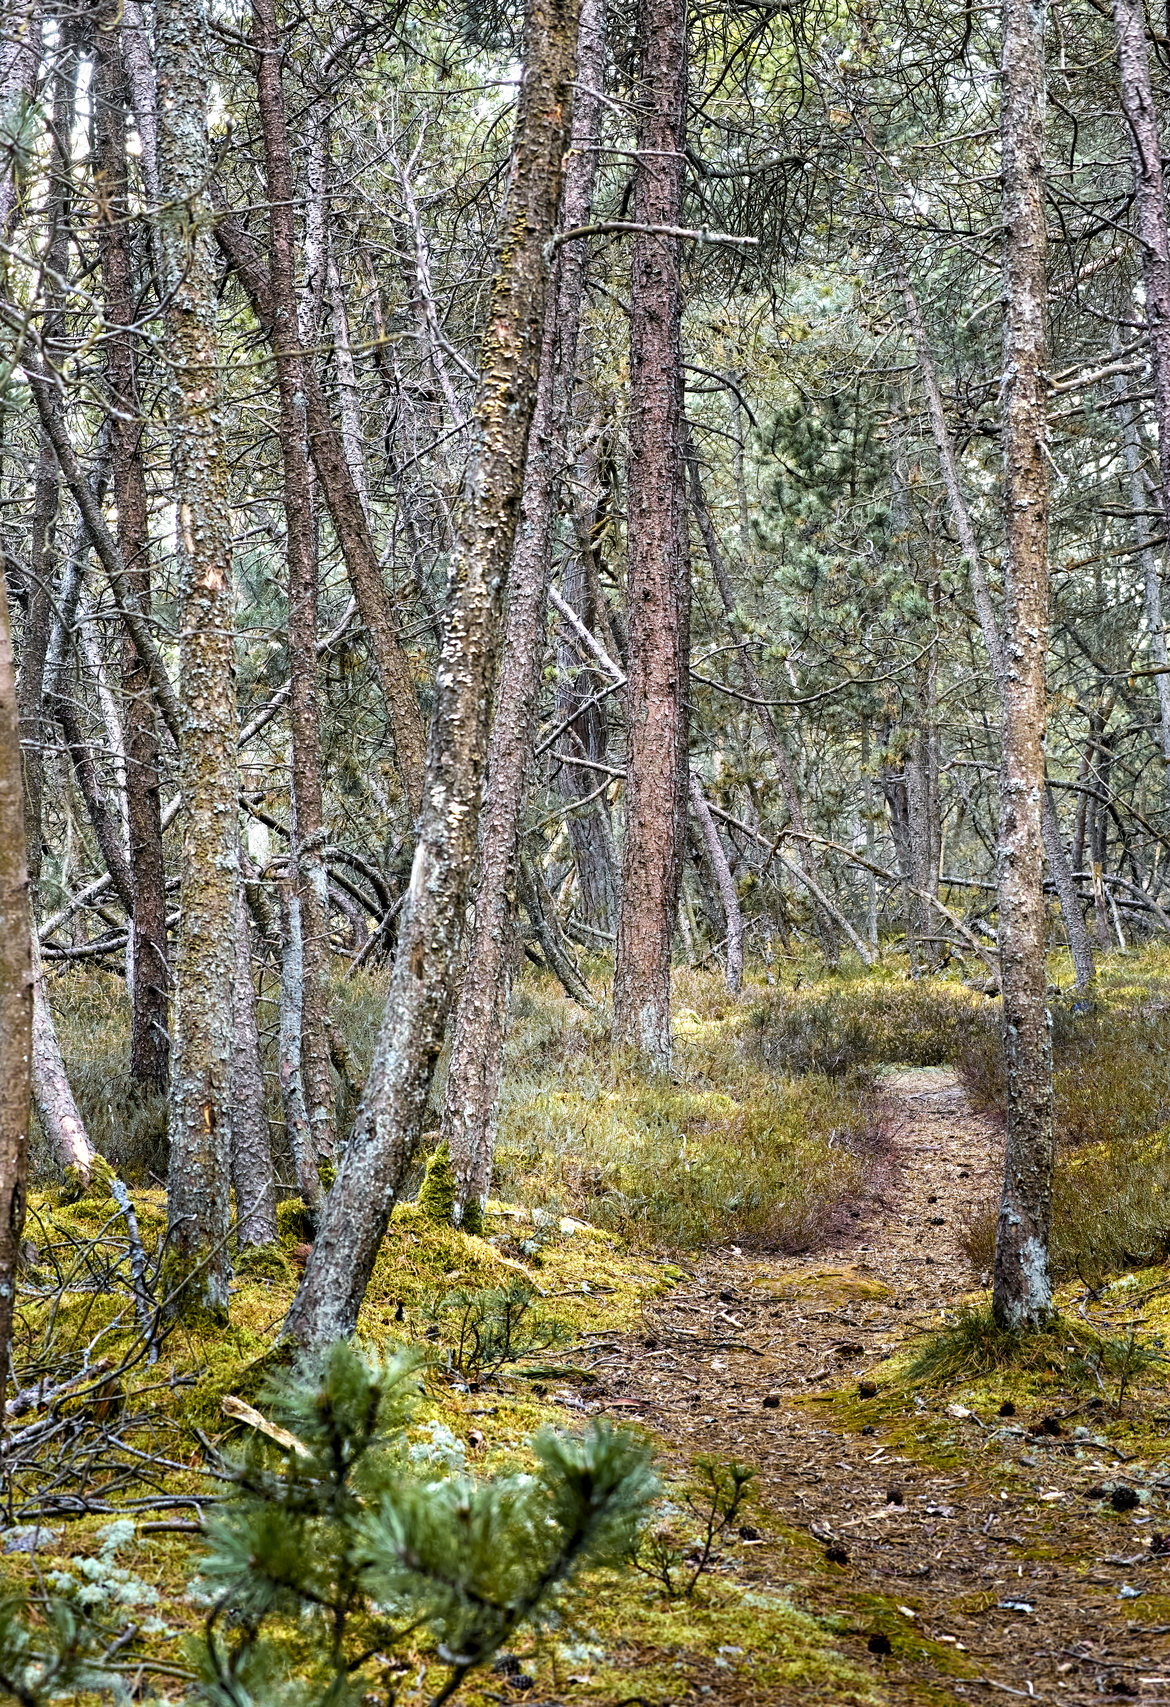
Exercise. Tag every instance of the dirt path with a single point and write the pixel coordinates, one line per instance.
(969, 1546)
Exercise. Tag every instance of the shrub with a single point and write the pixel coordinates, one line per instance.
(837, 1030)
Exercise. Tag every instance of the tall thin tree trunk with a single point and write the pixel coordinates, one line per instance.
(1054, 845)
(657, 566)
(1151, 578)
(473, 1079)
(306, 818)
(46, 491)
(16, 990)
(20, 60)
(1023, 1292)
(389, 1122)
(721, 870)
(253, 1180)
(198, 1180)
(149, 975)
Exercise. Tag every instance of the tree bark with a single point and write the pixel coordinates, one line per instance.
(252, 1177)
(16, 990)
(473, 1079)
(306, 817)
(35, 727)
(1058, 859)
(717, 859)
(56, 1105)
(658, 572)
(198, 1180)
(389, 1121)
(290, 1061)
(1151, 578)
(149, 975)
(20, 59)
(1022, 1291)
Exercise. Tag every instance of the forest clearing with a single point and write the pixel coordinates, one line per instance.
(584, 812)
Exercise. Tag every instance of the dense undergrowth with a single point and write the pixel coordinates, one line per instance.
(727, 1150)
(769, 1131)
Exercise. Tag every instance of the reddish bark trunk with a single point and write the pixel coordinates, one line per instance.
(658, 572)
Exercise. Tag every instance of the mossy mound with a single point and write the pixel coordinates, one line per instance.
(436, 1194)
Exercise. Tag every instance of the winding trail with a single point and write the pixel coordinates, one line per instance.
(970, 1545)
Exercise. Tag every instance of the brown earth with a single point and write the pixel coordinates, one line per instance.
(971, 1549)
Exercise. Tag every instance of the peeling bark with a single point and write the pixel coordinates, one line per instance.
(389, 1122)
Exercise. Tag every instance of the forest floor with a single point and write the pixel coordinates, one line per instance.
(970, 1563)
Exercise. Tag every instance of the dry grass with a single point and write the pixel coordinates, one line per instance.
(726, 1150)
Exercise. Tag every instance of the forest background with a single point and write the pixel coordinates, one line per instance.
(734, 445)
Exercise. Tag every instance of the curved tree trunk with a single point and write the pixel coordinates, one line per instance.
(473, 1080)
(56, 1106)
(389, 1122)
(198, 1180)
(1023, 1293)
(658, 572)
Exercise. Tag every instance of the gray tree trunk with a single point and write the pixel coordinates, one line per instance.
(252, 1177)
(148, 973)
(389, 1122)
(306, 817)
(199, 1175)
(1023, 1292)
(717, 859)
(56, 1105)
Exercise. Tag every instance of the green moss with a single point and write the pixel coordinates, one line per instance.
(294, 1224)
(76, 1188)
(436, 1195)
(472, 1221)
(263, 1262)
